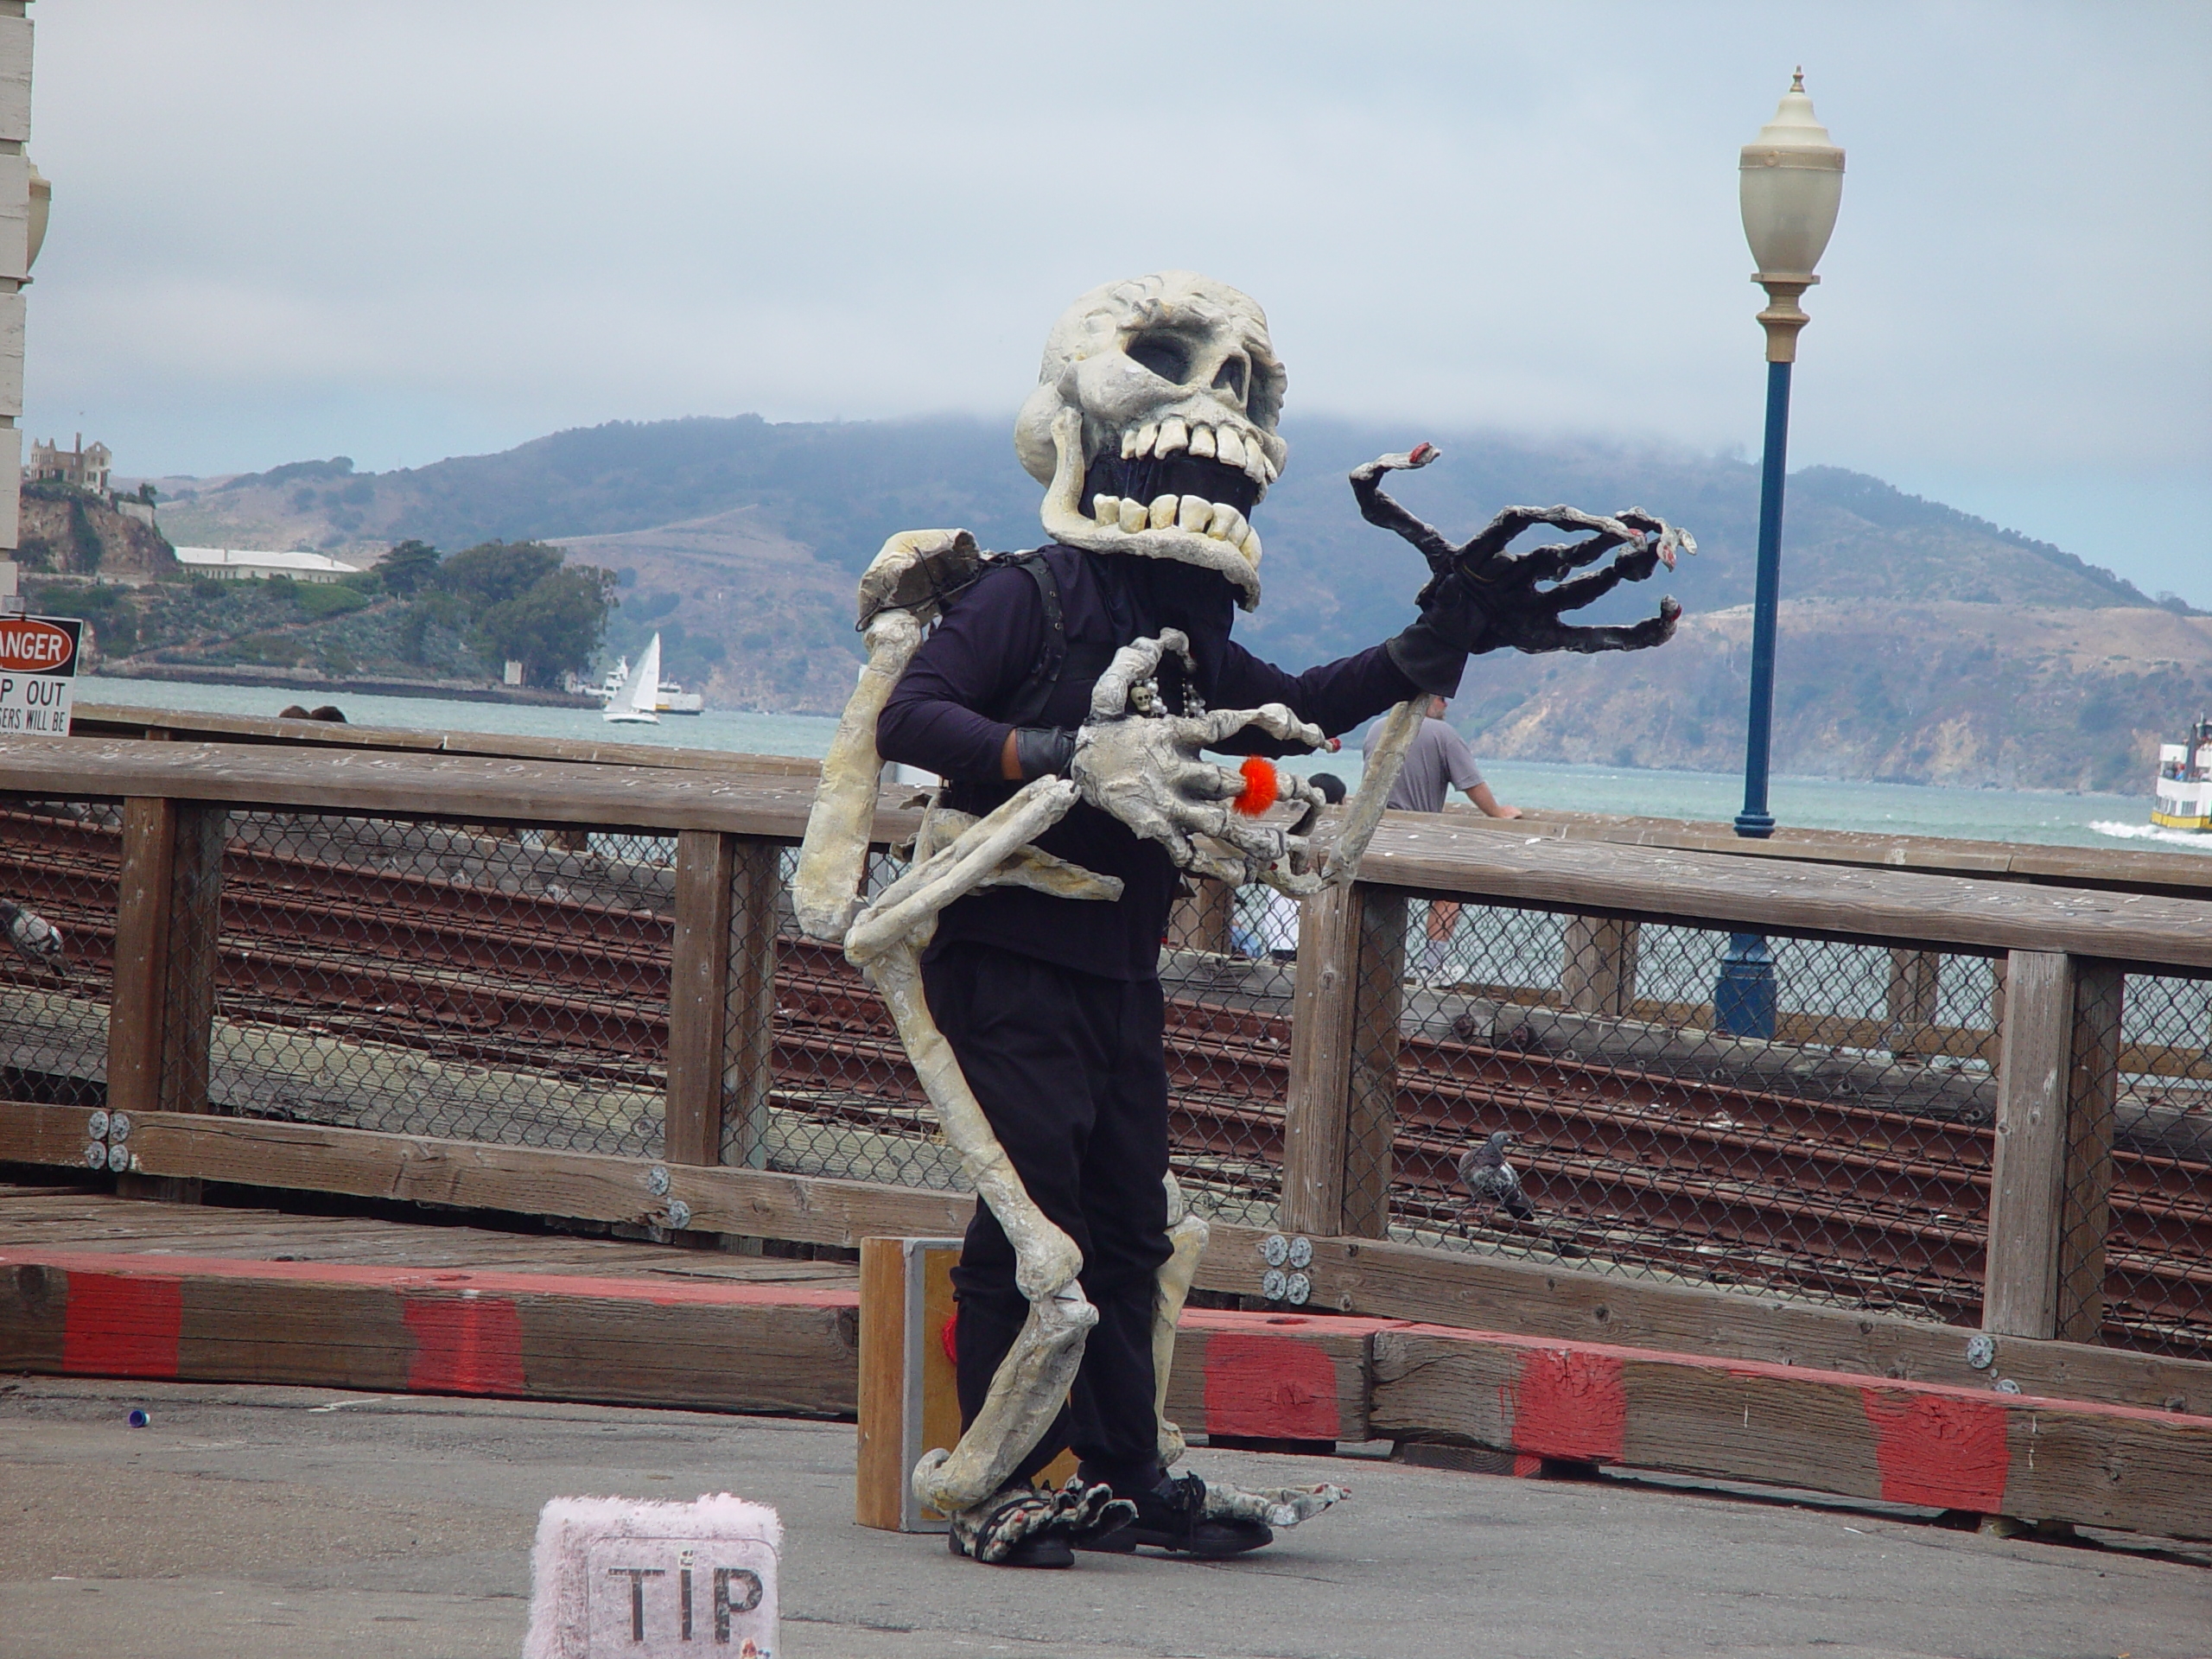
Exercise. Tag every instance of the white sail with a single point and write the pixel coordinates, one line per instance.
(640, 695)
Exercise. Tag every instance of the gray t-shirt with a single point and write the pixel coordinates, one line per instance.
(1438, 761)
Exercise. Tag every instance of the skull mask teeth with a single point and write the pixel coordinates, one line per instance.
(1153, 425)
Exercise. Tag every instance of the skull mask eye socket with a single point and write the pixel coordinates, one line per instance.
(1163, 354)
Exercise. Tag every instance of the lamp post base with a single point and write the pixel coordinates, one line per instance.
(1744, 996)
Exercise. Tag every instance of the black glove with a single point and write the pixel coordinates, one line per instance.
(1043, 751)
(1433, 653)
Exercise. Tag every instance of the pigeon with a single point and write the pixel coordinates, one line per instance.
(36, 940)
(1489, 1179)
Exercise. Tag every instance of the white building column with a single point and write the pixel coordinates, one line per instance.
(15, 253)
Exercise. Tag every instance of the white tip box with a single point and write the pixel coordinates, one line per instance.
(654, 1580)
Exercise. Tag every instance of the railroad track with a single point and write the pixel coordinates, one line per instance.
(1683, 1174)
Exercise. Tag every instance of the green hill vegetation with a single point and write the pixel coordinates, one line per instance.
(1917, 641)
(417, 616)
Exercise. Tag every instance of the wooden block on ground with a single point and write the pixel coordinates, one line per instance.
(2119, 1466)
(719, 1347)
(908, 1394)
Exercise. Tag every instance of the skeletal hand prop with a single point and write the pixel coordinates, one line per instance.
(1480, 598)
(1142, 765)
(1491, 599)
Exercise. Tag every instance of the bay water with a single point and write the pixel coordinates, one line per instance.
(2061, 817)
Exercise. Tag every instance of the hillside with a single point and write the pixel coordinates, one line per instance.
(71, 531)
(738, 539)
(1941, 692)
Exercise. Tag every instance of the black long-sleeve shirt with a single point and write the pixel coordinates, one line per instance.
(947, 716)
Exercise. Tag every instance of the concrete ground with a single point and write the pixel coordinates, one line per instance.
(248, 1522)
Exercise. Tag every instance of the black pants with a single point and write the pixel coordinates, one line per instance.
(1070, 1071)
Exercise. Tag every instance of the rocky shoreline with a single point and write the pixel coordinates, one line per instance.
(281, 679)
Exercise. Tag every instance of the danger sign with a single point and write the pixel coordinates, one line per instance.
(38, 657)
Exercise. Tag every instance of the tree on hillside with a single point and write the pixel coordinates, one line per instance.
(407, 566)
(555, 624)
(493, 573)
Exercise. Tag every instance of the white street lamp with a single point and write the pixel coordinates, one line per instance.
(1791, 181)
(1791, 184)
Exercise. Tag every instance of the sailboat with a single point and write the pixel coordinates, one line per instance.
(636, 700)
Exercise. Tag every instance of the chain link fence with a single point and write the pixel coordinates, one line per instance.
(477, 982)
(1836, 1149)
(1228, 966)
(2158, 1283)
(59, 867)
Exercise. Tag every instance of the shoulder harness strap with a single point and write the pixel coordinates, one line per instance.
(1029, 702)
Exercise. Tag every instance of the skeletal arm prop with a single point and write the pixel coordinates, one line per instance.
(1491, 599)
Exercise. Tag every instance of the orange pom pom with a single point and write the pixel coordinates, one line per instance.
(1263, 789)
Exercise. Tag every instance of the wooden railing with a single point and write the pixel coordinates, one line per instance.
(2065, 952)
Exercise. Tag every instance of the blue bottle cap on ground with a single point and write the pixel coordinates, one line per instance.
(138, 1418)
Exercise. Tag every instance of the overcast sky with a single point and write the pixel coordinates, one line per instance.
(404, 231)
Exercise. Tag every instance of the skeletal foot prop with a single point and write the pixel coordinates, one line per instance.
(1273, 1506)
(1023, 1526)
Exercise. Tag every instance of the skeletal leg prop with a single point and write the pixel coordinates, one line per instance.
(886, 940)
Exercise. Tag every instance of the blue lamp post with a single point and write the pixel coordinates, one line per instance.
(1792, 184)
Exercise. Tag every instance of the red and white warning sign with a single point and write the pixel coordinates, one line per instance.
(38, 665)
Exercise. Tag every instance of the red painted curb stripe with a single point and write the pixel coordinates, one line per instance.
(1947, 1453)
(121, 1327)
(1767, 1370)
(1272, 1386)
(464, 1345)
(1570, 1404)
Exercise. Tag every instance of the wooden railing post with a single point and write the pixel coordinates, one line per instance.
(1340, 1114)
(2050, 1182)
(1597, 964)
(1910, 1009)
(163, 1007)
(698, 990)
(722, 1001)
(749, 1005)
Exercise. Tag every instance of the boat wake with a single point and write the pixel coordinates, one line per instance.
(2193, 841)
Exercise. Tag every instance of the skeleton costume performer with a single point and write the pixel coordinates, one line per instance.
(1065, 695)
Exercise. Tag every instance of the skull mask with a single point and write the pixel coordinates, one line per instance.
(1153, 425)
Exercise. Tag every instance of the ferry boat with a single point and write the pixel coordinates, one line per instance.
(671, 697)
(2185, 789)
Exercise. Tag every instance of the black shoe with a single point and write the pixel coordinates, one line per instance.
(1030, 1527)
(1030, 1552)
(1169, 1517)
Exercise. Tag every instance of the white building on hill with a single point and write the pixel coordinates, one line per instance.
(233, 564)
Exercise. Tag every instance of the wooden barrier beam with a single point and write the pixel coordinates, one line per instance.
(1365, 1277)
(1413, 851)
(1946, 1448)
(787, 1349)
(1422, 854)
